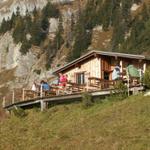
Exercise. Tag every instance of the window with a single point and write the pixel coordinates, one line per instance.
(80, 78)
(106, 75)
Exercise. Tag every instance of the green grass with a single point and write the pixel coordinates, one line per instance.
(110, 125)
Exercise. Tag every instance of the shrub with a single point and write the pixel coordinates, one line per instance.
(87, 100)
(37, 71)
(120, 92)
(146, 79)
(26, 45)
(19, 112)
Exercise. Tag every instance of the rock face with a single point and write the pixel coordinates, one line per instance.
(17, 70)
(25, 68)
(7, 7)
(11, 58)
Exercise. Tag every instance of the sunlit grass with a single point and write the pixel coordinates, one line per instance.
(109, 125)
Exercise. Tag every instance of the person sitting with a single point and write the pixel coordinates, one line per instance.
(45, 87)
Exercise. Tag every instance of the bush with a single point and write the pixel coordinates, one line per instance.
(87, 100)
(146, 79)
(19, 112)
(37, 71)
(26, 45)
(120, 92)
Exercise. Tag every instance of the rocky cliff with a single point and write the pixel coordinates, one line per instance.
(7, 7)
(17, 70)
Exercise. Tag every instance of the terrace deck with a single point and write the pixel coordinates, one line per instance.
(44, 101)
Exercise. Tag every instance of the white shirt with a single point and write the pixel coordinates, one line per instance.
(33, 87)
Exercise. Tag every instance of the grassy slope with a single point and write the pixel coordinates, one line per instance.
(121, 125)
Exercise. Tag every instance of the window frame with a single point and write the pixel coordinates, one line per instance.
(80, 78)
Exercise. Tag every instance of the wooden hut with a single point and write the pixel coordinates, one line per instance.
(97, 66)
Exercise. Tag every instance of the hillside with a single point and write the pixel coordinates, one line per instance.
(109, 125)
(36, 37)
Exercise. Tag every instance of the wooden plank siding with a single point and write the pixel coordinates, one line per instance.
(91, 67)
(100, 66)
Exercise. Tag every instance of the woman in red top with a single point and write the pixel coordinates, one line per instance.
(62, 80)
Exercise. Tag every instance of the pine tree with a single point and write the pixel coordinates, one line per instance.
(12, 20)
(59, 39)
(18, 12)
(116, 13)
(3, 27)
(19, 30)
(28, 22)
(107, 12)
(89, 15)
(26, 45)
(50, 11)
(44, 24)
(145, 13)
(126, 7)
(82, 39)
(137, 1)
(36, 33)
(70, 32)
(35, 12)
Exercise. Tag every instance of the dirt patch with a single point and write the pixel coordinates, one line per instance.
(2, 114)
(7, 75)
(101, 39)
(3, 91)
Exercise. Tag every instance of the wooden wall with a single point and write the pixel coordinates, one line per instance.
(96, 66)
(91, 68)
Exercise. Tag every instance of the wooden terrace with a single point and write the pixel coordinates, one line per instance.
(91, 73)
(26, 98)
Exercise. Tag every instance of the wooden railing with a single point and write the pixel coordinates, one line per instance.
(101, 83)
(93, 84)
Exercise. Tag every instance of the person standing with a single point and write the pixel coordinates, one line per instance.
(116, 73)
(34, 87)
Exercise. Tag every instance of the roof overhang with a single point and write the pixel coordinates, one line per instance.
(102, 53)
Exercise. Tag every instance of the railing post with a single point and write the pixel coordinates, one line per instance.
(43, 105)
(128, 83)
(144, 67)
(57, 91)
(4, 102)
(13, 97)
(23, 94)
(87, 86)
(41, 91)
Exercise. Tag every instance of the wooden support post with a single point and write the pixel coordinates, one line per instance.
(23, 94)
(43, 105)
(135, 91)
(41, 91)
(144, 67)
(4, 102)
(87, 86)
(140, 71)
(58, 91)
(128, 83)
(13, 97)
(121, 64)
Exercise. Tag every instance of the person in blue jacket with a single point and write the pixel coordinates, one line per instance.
(45, 86)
